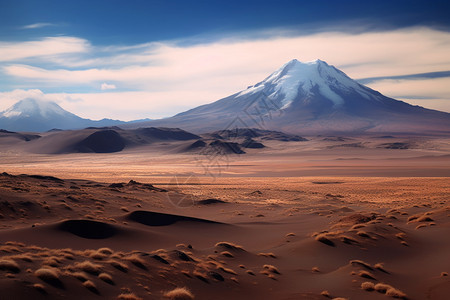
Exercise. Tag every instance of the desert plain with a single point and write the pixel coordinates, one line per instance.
(333, 217)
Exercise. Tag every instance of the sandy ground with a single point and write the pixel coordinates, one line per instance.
(312, 220)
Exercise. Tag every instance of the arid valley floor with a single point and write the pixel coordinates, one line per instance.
(332, 217)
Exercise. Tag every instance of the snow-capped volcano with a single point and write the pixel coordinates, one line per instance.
(309, 98)
(29, 108)
(38, 115)
(307, 79)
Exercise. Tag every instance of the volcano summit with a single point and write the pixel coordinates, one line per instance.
(310, 98)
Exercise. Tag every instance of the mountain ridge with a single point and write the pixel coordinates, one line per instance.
(309, 98)
(37, 115)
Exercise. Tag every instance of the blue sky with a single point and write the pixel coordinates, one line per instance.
(137, 59)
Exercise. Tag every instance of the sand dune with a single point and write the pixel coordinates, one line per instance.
(315, 238)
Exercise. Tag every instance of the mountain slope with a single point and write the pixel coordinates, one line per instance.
(310, 98)
(36, 115)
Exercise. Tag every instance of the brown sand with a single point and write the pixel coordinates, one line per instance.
(128, 229)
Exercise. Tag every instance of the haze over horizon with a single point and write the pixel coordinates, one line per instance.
(156, 59)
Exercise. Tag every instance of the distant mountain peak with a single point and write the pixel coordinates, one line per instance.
(38, 115)
(308, 79)
(32, 107)
(309, 97)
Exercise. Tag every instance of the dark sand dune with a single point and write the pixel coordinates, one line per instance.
(104, 141)
(89, 229)
(150, 218)
(95, 140)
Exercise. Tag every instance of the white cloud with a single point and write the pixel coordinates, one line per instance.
(430, 93)
(168, 78)
(106, 86)
(37, 25)
(44, 48)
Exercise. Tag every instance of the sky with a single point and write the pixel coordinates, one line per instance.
(140, 59)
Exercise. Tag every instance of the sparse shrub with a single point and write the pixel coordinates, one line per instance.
(227, 270)
(90, 286)
(424, 218)
(363, 234)
(24, 257)
(226, 253)
(106, 278)
(136, 260)
(40, 288)
(81, 276)
(128, 296)
(366, 274)
(51, 261)
(119, 265)
(421, 225)
(229, 246)
(323, 239)
(368, 286)
(51, 276)
(105, 251)
(9, 265)
(380, 267)
(325, 294)
(250, 272)
(268, 255)
(89, 267)
(179, 294)
(393, 292)
(443, 274)
(272, 269)
(382, 287)
(360, 263)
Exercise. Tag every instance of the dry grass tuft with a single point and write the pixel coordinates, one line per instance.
(325, 294)
(393, 292)
(106, 278)
(424, 218)
(323, 239)
(226, 253)
(24, 257)
(268, 255)
(179, 294)
(136, 260)
(382, 287)
(119, 265)
(50, 276)
(368, 286)
(380, 266)
(272, 269)
(360, 263)
(51, 261)
(91, 286)
(81, 276)
(227, 270)
(105, 251)
(229, 246)
(89, 267)
(366, 274)
(9, 265)
(421, 225)
(128, 296)
(40, 288)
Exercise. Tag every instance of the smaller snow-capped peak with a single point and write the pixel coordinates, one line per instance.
(307, 78)
(32, 107)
